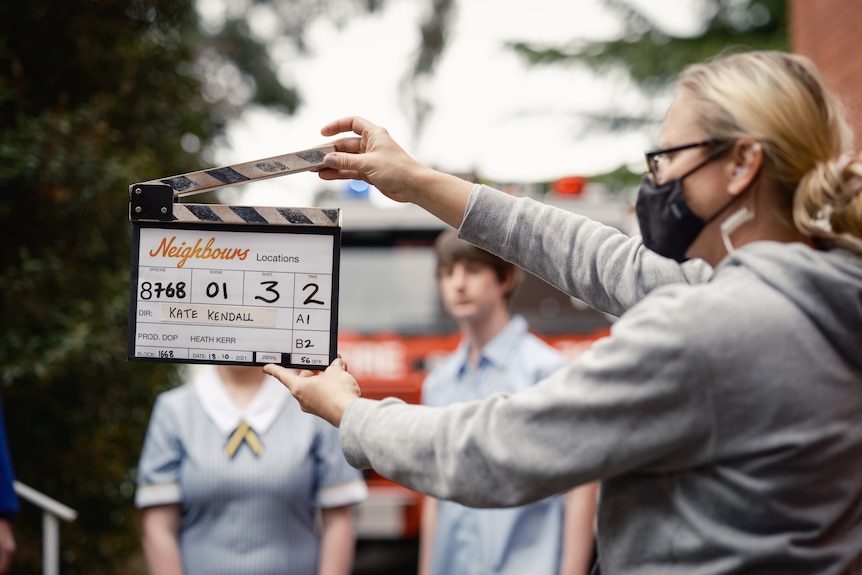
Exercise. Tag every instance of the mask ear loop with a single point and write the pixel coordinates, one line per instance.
(738, 218)
(732, 223)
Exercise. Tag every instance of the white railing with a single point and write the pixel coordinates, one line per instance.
(51, 511)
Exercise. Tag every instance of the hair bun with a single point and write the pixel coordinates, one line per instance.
(849, 171)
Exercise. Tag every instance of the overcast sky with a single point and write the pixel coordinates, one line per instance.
(492, 114)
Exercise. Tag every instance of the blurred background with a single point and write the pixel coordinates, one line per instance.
(98, 94)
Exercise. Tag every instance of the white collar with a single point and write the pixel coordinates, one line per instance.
(267, 403)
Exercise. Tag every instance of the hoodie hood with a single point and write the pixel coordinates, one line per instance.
(825, 284)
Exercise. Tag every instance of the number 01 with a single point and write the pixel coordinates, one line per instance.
(213, 289)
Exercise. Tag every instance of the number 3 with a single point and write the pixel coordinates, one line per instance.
(270, 287)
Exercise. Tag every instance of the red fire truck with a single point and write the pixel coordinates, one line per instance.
(392, 327)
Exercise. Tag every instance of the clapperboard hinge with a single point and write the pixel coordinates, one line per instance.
(158, 200)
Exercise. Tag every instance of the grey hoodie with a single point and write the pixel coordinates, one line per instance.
(723, 414)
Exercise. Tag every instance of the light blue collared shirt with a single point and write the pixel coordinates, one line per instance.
(526, 539)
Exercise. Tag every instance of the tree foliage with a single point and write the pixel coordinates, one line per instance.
(96, 95)
(652, 57)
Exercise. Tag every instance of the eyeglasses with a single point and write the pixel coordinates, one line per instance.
(656, 156)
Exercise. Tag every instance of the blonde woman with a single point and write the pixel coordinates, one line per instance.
(723, 413)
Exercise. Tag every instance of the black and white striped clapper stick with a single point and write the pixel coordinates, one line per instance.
(215, 178)
(156, 199)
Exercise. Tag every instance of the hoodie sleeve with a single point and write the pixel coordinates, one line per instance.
(583, 258)
(637, 400)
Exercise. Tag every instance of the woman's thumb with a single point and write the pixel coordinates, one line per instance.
(338, 161)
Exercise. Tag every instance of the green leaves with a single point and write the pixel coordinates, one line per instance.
(94, 96)
(651, 56)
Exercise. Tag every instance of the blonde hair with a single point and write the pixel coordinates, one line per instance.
(781, 100)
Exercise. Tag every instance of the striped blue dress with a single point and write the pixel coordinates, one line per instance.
(247, 514)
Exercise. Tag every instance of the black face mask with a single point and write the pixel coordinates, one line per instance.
(667, 224)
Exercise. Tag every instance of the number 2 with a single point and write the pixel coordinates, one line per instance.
(314, 290)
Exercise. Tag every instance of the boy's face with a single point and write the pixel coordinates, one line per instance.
(470, 290)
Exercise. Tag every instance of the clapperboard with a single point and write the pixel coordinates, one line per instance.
(222, 284)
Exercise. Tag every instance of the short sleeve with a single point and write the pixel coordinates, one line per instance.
(337, 482)
(159, 466)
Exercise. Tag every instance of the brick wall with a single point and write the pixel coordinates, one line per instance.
(830, 33)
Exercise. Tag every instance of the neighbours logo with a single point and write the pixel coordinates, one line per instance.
(183, 252)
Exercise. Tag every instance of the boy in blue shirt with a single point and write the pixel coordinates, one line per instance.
(497, 354)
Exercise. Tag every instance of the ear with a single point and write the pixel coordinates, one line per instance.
(510, 282)
(746, 162)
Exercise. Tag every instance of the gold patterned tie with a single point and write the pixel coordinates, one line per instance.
(243, 433)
